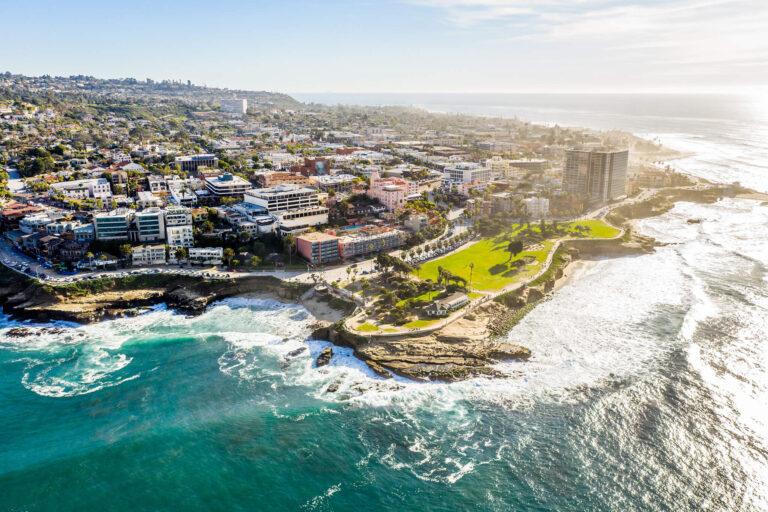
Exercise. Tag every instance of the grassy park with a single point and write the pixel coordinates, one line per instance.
(494, 268)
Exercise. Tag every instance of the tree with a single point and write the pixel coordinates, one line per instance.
(208, 226)
(471, 269)
(180, 253)
(514, 248)
(229, 253)
(255, 261)
(289, 244)
(125, 250)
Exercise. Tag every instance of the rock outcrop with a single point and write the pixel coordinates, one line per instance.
(463, 349)
(325, 357)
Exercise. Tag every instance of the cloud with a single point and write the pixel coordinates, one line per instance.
(724, 34)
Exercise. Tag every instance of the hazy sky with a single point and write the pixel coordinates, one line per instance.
(399, 45)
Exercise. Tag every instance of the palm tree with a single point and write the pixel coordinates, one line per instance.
(228, 255)
(471, 269)
(289, 243)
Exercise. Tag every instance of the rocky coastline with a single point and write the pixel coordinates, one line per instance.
(466, 348)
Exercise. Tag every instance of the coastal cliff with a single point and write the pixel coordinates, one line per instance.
(108, 298)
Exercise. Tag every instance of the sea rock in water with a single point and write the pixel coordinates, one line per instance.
(294, 353)
(23, 332)
(693, 221)
(325, 356)
(332, 387)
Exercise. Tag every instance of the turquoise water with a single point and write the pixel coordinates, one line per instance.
(647, 391)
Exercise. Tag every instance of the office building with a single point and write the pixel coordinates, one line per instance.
(466, 172)
(227, 185)
(282, 198)
(191, 163)
(150, 224)
(112, 225)
(600, 175)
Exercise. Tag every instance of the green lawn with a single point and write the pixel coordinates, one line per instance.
(492, 271)
(599, 229)
(367, 327)
(419, 323)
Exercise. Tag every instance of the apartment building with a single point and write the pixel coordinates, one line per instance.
(205, 255)
(600, 175)
(318, 248)
(97, 188)
(369, 239)
(148, 255)
(234, 106)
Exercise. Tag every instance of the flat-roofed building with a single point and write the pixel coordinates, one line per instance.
(205, 255)
(467, 172)
(234, 106)
(272, 179)
(282, 198)
(150, 224)
(113, 225)
(193, 162)
(148, 255)
(318, 248)
(600, 175)
(296, 221)
(369, 239)
(227, 185)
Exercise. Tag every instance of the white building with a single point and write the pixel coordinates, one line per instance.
(282, 198)
(148, 255)
(227, 185)
(296, 221)
(205, 255)
(234, 106)
(178, 217)
(150, 224)
(537, 207)
(467, 172)
(97, 188)
(147, 199)
(180, 236)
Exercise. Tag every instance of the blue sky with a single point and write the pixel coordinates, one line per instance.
(399, 45)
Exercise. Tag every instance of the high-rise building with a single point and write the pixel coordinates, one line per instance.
(599, 175)
(235, 106)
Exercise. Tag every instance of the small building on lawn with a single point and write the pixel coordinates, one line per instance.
(446, 305)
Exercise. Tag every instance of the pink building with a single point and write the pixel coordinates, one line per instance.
(392, 192)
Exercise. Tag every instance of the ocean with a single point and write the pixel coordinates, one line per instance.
(647, 389)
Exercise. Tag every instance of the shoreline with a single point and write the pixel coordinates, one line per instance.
(466, 348)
